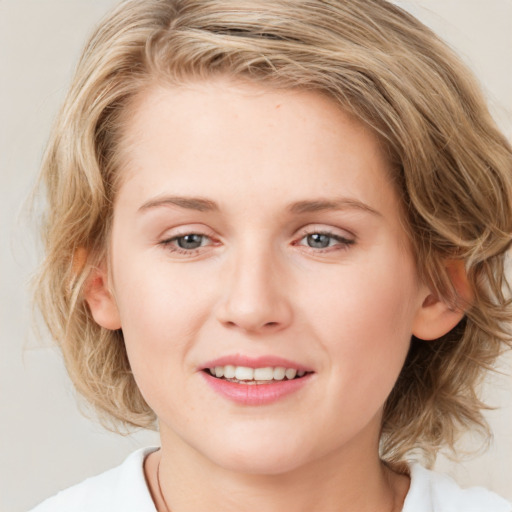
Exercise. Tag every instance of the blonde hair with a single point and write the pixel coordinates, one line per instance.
(452, 168)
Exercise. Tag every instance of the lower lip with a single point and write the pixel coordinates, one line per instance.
(255, 394)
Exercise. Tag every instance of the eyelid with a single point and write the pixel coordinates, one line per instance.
(183, 230)
(167, 240)
(343, 242)
(327, 230)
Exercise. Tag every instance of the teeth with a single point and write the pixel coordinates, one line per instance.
(264, 373)
(279, 373)
(229, 371)
(290, 373)
(244, 373)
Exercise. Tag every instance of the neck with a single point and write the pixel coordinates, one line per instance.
(188, 482)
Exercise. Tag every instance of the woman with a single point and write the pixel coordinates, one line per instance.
(277, 230)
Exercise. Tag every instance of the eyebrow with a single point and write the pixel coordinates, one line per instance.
(341, 203)
(190, 203)
(300, 207)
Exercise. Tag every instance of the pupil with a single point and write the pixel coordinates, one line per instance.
(190, 241)
(318, 241)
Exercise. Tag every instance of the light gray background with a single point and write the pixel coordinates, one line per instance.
(45, 443)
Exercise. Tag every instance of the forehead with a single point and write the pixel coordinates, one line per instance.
(214, 137)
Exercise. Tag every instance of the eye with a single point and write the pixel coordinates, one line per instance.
(191, 241)
(187, 244)
(319, 240)
(325, 240)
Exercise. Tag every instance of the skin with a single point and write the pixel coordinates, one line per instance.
(257, 287)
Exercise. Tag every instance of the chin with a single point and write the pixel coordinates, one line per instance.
(259, 458)
(262, 465)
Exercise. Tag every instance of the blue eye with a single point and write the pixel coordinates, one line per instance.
(319, 240)
(186, 244)
(191, 241)
(325, 240)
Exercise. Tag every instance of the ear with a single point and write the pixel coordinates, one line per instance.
(435, 317)
(100, 300)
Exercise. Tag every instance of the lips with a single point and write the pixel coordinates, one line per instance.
(255, 362)
(255, 381)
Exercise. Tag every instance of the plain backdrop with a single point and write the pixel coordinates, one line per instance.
(46, 444)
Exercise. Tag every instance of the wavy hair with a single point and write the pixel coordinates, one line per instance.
(451, 166)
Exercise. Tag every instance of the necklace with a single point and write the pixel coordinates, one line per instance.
(167, 509)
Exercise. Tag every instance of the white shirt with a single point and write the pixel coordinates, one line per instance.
(124, 489)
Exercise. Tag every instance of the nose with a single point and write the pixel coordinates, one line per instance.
(255, 298)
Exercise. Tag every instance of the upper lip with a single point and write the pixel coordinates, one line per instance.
(255, 362)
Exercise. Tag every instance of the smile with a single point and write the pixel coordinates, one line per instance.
(255, 381)
(247, 375)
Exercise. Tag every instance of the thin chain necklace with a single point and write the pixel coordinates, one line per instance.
(167, 509)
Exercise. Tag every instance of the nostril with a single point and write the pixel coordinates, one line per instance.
(268, 325)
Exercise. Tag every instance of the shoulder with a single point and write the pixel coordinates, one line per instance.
(435, 492)
(121, 488)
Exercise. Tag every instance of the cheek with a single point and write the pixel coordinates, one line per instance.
(365, 321)
(159, 298)
(161, 311)
(369, 298)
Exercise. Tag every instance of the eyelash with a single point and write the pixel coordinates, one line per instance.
(344, 243)
(169, 244)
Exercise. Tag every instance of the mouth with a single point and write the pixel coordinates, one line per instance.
(255, 376)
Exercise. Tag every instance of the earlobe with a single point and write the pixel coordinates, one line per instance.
(435, 317)
(100, 300)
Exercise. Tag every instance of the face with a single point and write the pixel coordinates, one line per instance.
(256, 234)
